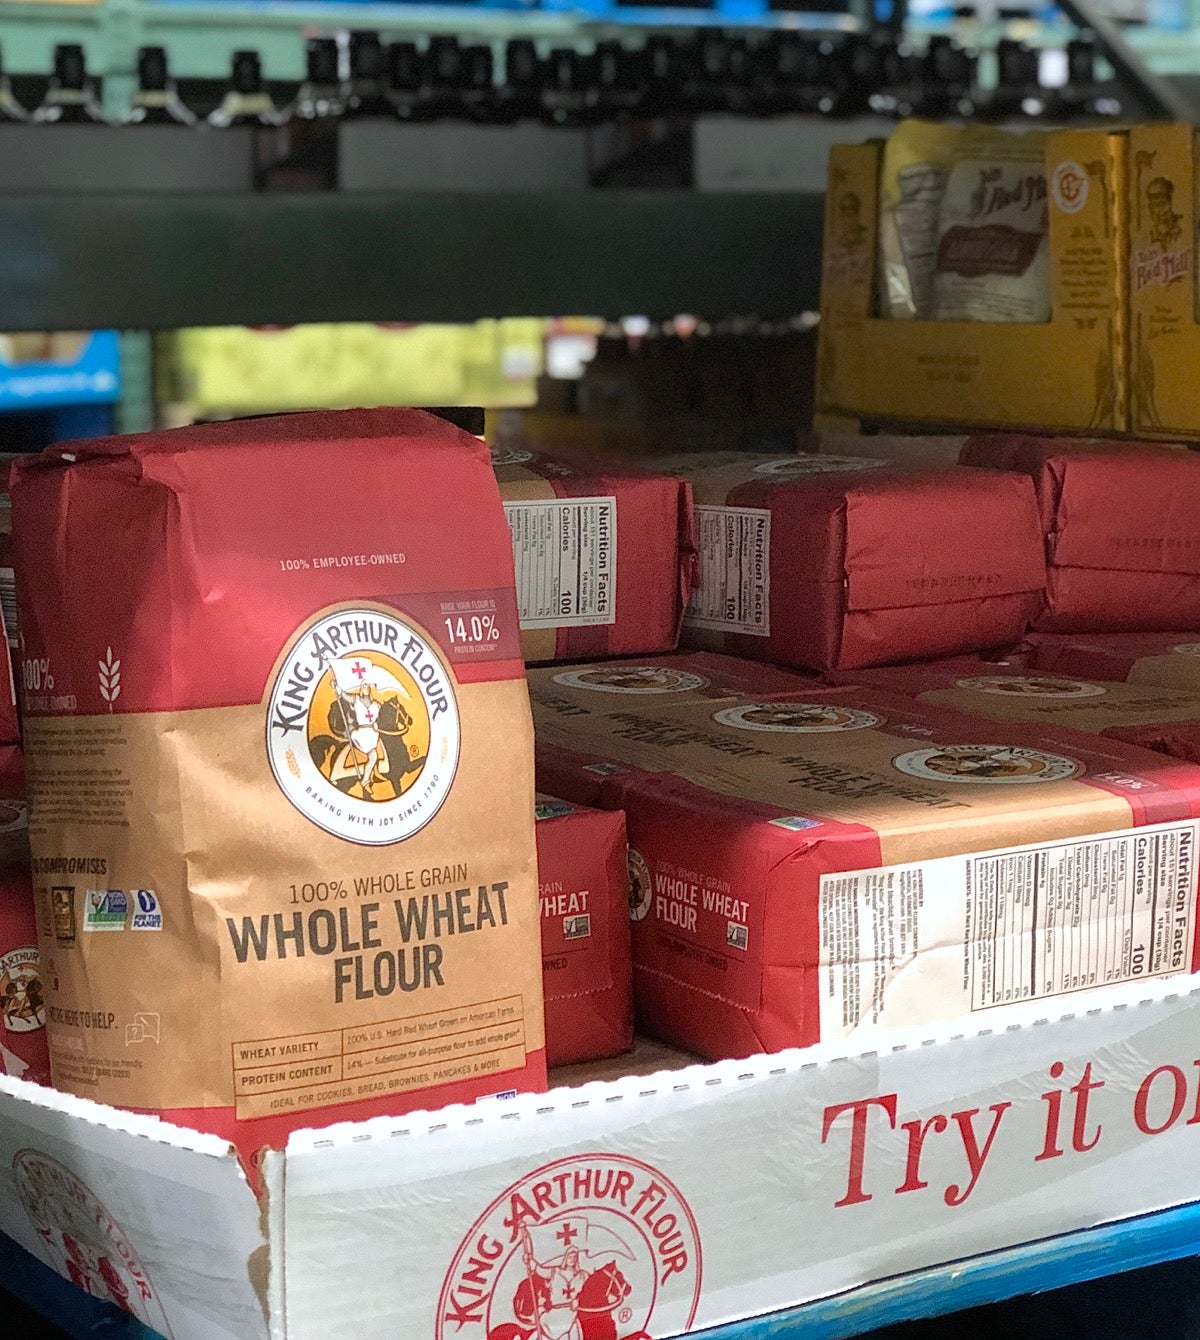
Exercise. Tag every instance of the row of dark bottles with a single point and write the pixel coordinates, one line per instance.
(760, 74)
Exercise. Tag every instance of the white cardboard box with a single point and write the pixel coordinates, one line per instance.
(700, 1195)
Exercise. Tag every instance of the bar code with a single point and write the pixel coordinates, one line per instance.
(8, 604)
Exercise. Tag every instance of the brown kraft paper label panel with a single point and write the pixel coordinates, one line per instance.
(843, 762)
(379, 956)
(1081, 704)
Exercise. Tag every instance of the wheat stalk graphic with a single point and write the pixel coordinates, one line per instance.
(110, 679)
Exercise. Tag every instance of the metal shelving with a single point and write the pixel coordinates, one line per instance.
(142, 261)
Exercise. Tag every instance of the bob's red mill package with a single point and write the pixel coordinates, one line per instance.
(604, 553)
(871, 861)
(1123, 549)
(587, 972)
(278, 884)
(836, 566)
(1165, 720)
(1170, 660)
(23, 1050)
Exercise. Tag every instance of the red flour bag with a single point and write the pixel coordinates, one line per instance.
(1170, 660)
(23, 1051)
(1122, 546)
(1165, 720)
(812, 865)
(575, 690)
(858, 565)
(604, 553)
(263, 760)
(586, 967)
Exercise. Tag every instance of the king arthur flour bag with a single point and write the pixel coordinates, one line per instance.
(831, 562)
(583, 885)
(280, 770)
(604, 553)
(1164, 720)
(22, 999)
(817, 864)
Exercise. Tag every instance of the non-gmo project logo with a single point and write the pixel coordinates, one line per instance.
(632, 679)
(593, 1247)
(986, 763)
(1031, 686)
(797, 718)
(362, 726)
(105, 910)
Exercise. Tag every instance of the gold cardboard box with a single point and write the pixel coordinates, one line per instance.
(1165, 325)
(1068, 373)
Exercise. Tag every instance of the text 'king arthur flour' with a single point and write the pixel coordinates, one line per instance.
(280, 772)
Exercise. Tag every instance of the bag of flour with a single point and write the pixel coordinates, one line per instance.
(280, 770)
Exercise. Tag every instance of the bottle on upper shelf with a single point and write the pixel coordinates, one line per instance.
(156, 102)
(10, 108)
(366, 91)
(407, 91)
(70, 98)
(308, 150)
(246, 101)
(1018, 91)
(519, 94)
(319, 97)
(947, 79)
(478, 83)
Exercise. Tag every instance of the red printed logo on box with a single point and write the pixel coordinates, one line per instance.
(82, 1240)
(592, 1247)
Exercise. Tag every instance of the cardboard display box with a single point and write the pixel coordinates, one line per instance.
(1164, 320)
(708, 1194)
(984, 373)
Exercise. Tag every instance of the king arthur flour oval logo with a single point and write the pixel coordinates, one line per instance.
(21, 990)
(503, 456)
(1031, 686)
(592, 1247)
(987, 763)
(632, 679)
(362, 726)
(640, 887)
(791, 466)
(799, 718)
(81, 1240)
(1188, 649)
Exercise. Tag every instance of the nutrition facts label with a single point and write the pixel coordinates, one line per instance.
(288, 1074)
(734, 595)
(565, 554)
(911, 943)
(1055, 919)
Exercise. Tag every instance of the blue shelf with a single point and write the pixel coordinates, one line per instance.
(1033, 1268)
